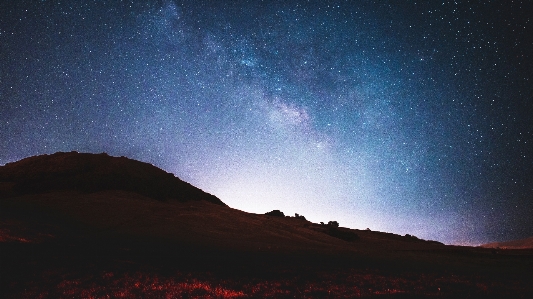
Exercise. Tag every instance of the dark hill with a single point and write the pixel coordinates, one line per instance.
(81, 225)
(515, 244)
(92, 173)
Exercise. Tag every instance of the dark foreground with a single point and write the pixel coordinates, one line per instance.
(126, 268)
(46, 256)
(93, 226)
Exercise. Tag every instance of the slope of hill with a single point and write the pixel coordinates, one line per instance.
(84, 225)
(118, 196)
(94, 172)
(515, 244)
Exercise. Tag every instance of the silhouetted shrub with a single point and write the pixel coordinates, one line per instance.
(411, 236)
(276, 213)
(297, 216)
(333, 224)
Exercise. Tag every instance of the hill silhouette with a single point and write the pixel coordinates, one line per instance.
(76, 225)
(514, 244)
(118, 195)
(90, 173)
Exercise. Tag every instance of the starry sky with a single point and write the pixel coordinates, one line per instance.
(399, 116)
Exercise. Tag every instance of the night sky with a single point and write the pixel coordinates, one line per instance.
(400, 116)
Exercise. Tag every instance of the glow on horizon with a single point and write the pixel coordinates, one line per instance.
(375, 115)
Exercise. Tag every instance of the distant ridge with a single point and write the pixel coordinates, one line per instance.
(515, 244)
(89, 173)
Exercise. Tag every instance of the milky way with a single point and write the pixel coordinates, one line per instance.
(406, 118)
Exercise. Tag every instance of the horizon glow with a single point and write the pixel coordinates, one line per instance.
(398, 117)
